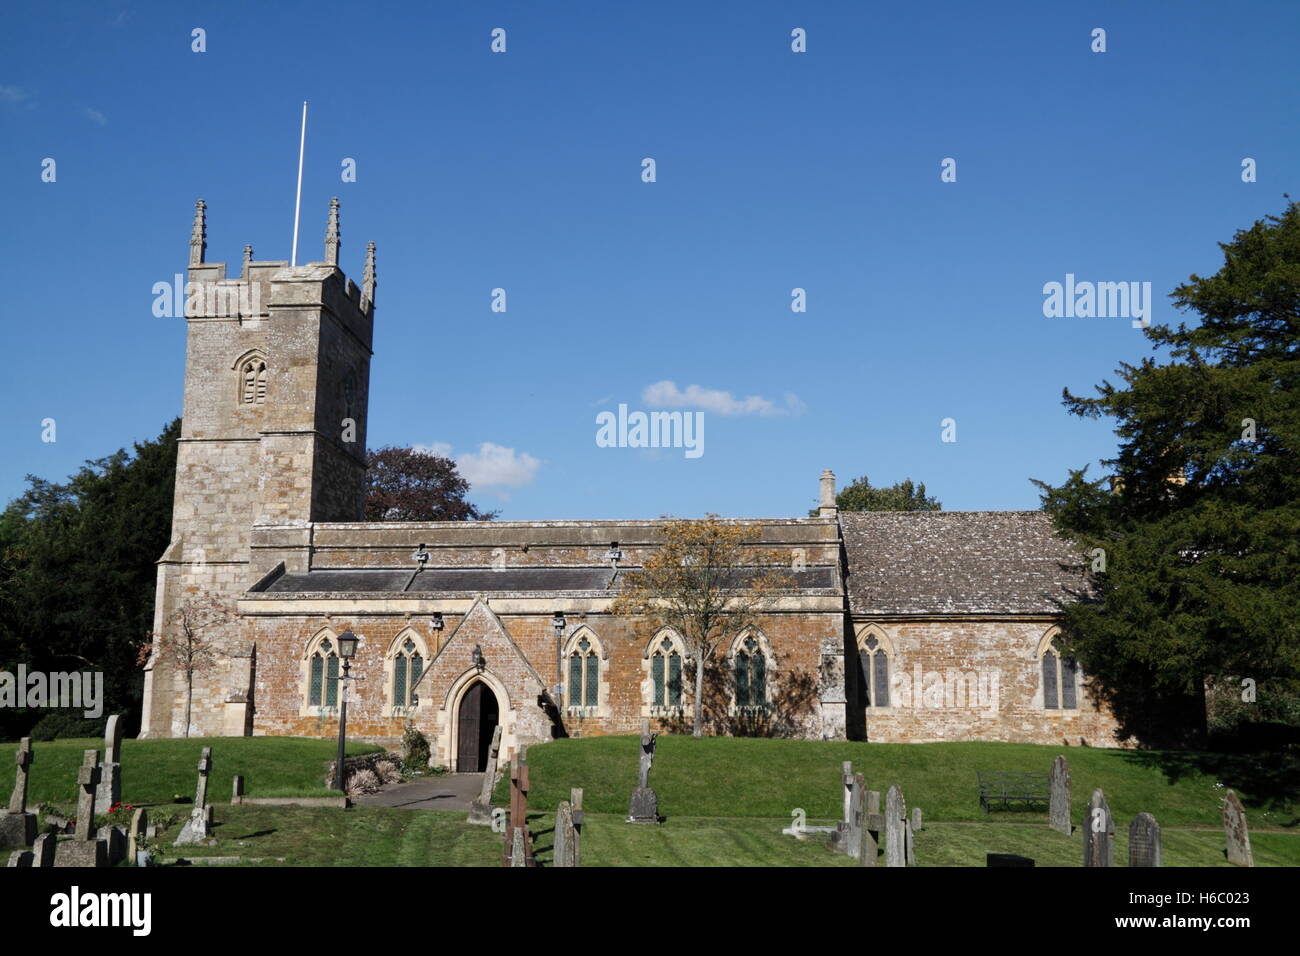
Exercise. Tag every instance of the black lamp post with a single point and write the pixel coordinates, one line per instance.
(347, 651)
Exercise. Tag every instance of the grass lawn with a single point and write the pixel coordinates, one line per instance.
(154, 771)
(746, 777)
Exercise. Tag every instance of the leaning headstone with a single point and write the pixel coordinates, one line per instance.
(17, 826)
(480, 809)
(1236, 832)
(895, 827)
(196, 830)
(1144, 841)
(579, 817)
(1059, 789)
(136, 834)
(1098, 833)
(645, 803)
(109, 793)
(563, 854)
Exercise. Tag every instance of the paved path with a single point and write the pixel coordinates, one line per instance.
(452, 792)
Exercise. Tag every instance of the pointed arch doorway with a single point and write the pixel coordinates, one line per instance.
(476, 719)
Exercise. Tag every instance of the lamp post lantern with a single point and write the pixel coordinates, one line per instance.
(347, 651)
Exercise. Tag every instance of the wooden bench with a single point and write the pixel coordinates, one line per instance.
(997, 786)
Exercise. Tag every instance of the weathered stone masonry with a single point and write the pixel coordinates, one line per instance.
(958, 606)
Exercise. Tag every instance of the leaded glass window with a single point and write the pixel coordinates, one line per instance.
(873, 661)
(584, 675)
(323, 685)
(751, 675)
(666, 673)
(1060, 679)
(407, 667)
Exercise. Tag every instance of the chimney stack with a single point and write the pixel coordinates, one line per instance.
(827, 507)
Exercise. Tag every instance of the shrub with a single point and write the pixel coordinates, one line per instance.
(362, 782)
(415, 749)
(388, 771)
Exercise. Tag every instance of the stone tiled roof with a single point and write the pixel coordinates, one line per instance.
(955, 562)
(475, 580)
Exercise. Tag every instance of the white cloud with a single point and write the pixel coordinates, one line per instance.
(492, 467)
(95, 116)
(16, 95)
(666, 394)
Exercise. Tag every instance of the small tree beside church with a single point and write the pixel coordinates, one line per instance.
(709, 584)
(190, 642)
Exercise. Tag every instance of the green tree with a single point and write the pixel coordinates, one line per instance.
(858, 495)
(77, 572)
(403, 484)
(1194, 551)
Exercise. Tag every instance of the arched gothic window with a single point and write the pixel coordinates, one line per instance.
(408, 665)
(750, 665)
(583, 688)
(323, 687)
(1060, 677)
(252, 376)
(873, 663)
(666, 673)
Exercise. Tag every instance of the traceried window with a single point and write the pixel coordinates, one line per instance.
(253, 380)
(324, 681)
(1060, 678)
(751, 674)
(666, 673)
(408, 665)
(584, 675)
(873, 659)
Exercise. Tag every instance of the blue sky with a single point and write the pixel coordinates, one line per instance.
(522, 171)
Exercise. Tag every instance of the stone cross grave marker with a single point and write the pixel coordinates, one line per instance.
(645, 803)
(1236, 832)
(22, 760)
(895, 827)
(110, 781)
(88, 783)
(1098, 833)
(17, 826)
(848, 836)
(518, 844)
(1144, 841)
(1059, 789)
(480, 809)
(139, 826)
(196, 830)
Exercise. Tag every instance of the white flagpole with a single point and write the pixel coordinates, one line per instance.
(297, 203)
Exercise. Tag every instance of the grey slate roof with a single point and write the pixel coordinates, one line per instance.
(475, 580)
(955, 562)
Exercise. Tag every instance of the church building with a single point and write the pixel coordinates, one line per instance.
(897, 627)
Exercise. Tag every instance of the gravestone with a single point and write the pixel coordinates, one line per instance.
(873, 823)
(17, 826)
(847, 837)
(645, 804)
(109, 793)
(895, 827)
(136, 834)
(1144, 841)
(84, 849)
(563, 854)
(237, 789)
(20, 858)
(1059, 789)
(579, 817)
(480, 809)
(115, 839)
(43, 850)
(916, 819)
(846, 779)
(518, 843)
(1098, 832)
(1236, 832)
(910, 836)
(196, 830)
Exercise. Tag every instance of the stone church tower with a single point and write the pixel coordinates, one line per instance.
(273, 436)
